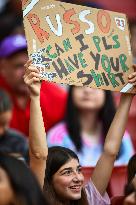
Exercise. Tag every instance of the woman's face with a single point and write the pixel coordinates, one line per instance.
(68, 181)
(86, 98)
(6, 193)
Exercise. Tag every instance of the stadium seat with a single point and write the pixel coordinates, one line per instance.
(118, 180)
(117, 200)
(87, 171)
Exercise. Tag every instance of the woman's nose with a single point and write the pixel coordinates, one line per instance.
(78, 177)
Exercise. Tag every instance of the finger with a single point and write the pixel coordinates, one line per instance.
(29, 81)
(132, 75)
(31, 69)
(133, 80)
(28, 63)
(33, 81)
(31, 75)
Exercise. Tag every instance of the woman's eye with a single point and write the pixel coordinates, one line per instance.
(68, 172)
(79, 170)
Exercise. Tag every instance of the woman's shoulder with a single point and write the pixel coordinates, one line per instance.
(94, 197)
(126, 150)
(58, 128)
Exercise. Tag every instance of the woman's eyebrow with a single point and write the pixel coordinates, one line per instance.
(70, 168)
(66, 169)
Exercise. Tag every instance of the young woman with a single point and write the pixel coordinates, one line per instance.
(18, 186)
(88, 118)
(63, 178)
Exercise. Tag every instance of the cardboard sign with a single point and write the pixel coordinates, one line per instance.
(78, 45)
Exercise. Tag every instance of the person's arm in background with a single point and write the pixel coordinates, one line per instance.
(126, 151)
(38, 149)
(105, 164)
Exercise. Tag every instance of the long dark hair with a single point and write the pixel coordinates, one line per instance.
(24, 184)
(131, 172)
(131, 168)
(129, 189)
(57, 157)
(106, 115)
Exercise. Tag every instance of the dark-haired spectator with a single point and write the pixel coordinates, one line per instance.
(11, 141)
(131, 169)
(60, 166)
(13, 54)
(18, 185)
(89, 114)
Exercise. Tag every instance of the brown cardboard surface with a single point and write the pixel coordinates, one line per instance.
(78, 45)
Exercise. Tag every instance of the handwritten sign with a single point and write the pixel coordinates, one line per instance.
(78, 45)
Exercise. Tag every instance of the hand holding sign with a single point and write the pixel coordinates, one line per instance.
(132, 78)
(32, 79)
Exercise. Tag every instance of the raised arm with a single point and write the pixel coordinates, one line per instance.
(105, 164)
(38, 149)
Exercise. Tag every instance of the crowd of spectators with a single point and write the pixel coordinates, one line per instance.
(59, 106)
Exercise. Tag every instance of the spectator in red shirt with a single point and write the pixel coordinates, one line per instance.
(13, 56)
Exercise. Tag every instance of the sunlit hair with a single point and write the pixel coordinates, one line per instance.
(57, 157)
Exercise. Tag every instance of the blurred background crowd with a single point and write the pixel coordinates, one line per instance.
(57, 102)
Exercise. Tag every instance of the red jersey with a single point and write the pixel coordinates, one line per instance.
(53, 102)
